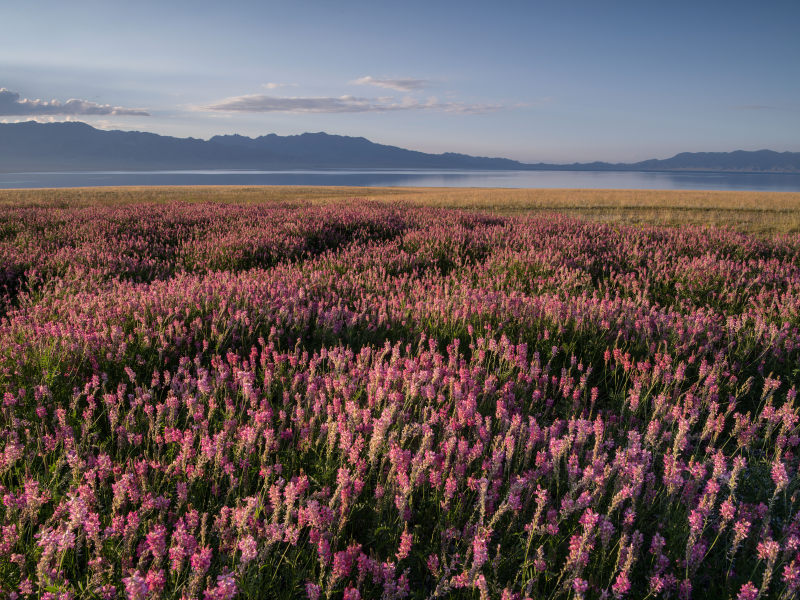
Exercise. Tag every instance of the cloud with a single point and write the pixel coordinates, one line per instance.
(12, 105)
(274, 86)
(343, 104)
(38, 119)
(399, 85)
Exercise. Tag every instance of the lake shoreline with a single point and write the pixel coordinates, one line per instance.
(413, 178)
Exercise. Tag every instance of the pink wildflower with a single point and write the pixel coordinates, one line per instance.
(791, 575)
(748, 592)
(351, 593)
(779, 476)
(136, 587)
(768, 550)
(622, 585)
(249, 549)
(312, 591)
(580, 586)
(479, 551)
(405, 545)
(201, 560)
(225, 589)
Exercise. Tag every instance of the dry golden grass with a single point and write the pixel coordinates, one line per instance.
(108, 196)
(756, 212)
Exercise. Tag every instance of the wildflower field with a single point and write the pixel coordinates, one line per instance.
(365, 399)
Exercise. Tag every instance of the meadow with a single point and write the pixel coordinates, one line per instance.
(753, 212)
(294, 393)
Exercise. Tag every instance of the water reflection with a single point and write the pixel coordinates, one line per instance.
(776, 182)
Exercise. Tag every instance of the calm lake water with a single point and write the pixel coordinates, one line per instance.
(772, 182)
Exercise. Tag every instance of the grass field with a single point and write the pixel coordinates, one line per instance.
(757, 212)
(214, 393)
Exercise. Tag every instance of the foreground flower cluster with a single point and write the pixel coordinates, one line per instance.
(369, 401)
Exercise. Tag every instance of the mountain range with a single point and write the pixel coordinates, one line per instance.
(74, 146)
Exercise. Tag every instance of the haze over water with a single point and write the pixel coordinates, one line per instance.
(773, 182)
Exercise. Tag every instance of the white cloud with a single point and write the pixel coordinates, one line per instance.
(399, 85)
(274, 86)
(37, 119)
(255, 103)
(12, 105)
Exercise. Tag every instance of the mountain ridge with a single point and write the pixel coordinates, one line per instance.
(77, 146)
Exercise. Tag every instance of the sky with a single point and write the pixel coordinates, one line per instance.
(553, 81)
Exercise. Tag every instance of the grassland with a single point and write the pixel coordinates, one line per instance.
(753, 212)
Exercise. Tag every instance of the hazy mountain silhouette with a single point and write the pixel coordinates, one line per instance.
(739, 160)
(74, 146)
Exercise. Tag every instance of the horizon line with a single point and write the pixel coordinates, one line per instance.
(361, 137)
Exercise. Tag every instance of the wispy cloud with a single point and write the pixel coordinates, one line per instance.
(12, 105)
(40, 119)
(343, 104)
(274, 86)
(399, 85)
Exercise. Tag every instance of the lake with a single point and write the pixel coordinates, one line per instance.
(770, 182)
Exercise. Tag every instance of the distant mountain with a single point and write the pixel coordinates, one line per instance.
(76, 146)
(740, 160)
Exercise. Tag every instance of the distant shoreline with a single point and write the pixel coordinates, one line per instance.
(89, 170)
(411, 178)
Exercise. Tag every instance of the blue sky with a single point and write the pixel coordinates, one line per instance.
(551, 81)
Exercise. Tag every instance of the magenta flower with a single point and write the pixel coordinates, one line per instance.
(156, 541)
(313, 591)
(768, 550)
(201, 559)
(580, 586)
(405, 545)
(747, 592)
(779, 476)
(249, 549)
(351, 593)
(136, 587)
(622, 585)
(224, 590)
